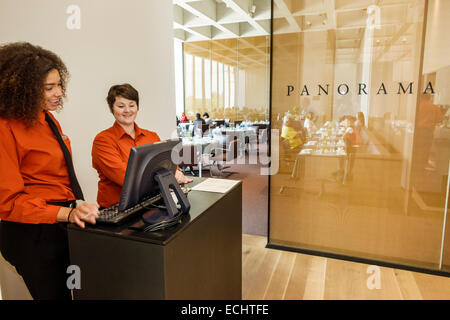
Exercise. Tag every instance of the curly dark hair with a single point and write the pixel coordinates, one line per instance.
(23, 69)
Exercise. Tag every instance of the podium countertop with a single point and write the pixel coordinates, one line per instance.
(131, 229)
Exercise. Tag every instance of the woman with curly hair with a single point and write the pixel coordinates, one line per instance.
(39, 188)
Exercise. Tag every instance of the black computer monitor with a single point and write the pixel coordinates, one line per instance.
(150, 170)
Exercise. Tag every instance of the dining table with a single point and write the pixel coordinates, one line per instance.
(203, 147)
(322, 147)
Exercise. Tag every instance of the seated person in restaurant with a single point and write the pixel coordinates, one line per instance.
(183, 118)
(309, 123)
(112, 146)
(293, 138)
(206, 118)
(291, 134)
(198, 120)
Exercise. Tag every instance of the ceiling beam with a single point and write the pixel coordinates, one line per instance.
(331, 14)
(281, 4)
(206, 11)
(243, 8)
(402, 31)
(198, 33)
(253, 47)
(233, 51)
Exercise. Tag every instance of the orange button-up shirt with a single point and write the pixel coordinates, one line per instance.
(32, 172)
(110, 153)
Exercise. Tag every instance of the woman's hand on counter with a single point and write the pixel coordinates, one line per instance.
(181, 178)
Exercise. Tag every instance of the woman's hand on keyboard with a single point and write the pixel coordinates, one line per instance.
(86, 212)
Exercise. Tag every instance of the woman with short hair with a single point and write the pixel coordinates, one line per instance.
(111, 147)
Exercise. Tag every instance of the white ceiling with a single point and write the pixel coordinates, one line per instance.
(394, 32)
(315, 15)
(197, 20)
(394, 35)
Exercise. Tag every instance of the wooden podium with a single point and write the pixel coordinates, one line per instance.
(201, 258)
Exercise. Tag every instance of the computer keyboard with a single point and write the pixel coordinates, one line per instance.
(111, 215)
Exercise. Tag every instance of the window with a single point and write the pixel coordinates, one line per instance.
(189, 85)
(220, 72)
(207, 75)
(221, 88)
(198, 78)
(227, 86)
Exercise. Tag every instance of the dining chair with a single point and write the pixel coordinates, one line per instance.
(222, 156)
(189, 157)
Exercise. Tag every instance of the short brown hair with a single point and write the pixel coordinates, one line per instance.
(124, 90)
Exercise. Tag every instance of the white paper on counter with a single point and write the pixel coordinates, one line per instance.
(215, 185)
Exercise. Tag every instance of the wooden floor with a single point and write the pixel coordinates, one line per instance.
(280, 275)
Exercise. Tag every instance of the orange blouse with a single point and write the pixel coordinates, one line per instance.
(110, 152)
(33, 172)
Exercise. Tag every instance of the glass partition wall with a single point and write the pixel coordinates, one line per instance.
(360, 96)
(228, 79)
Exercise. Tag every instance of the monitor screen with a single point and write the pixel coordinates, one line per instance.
(143, 163)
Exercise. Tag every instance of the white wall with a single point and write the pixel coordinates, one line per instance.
(179, 85)
(437, 43)
(119, 41)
